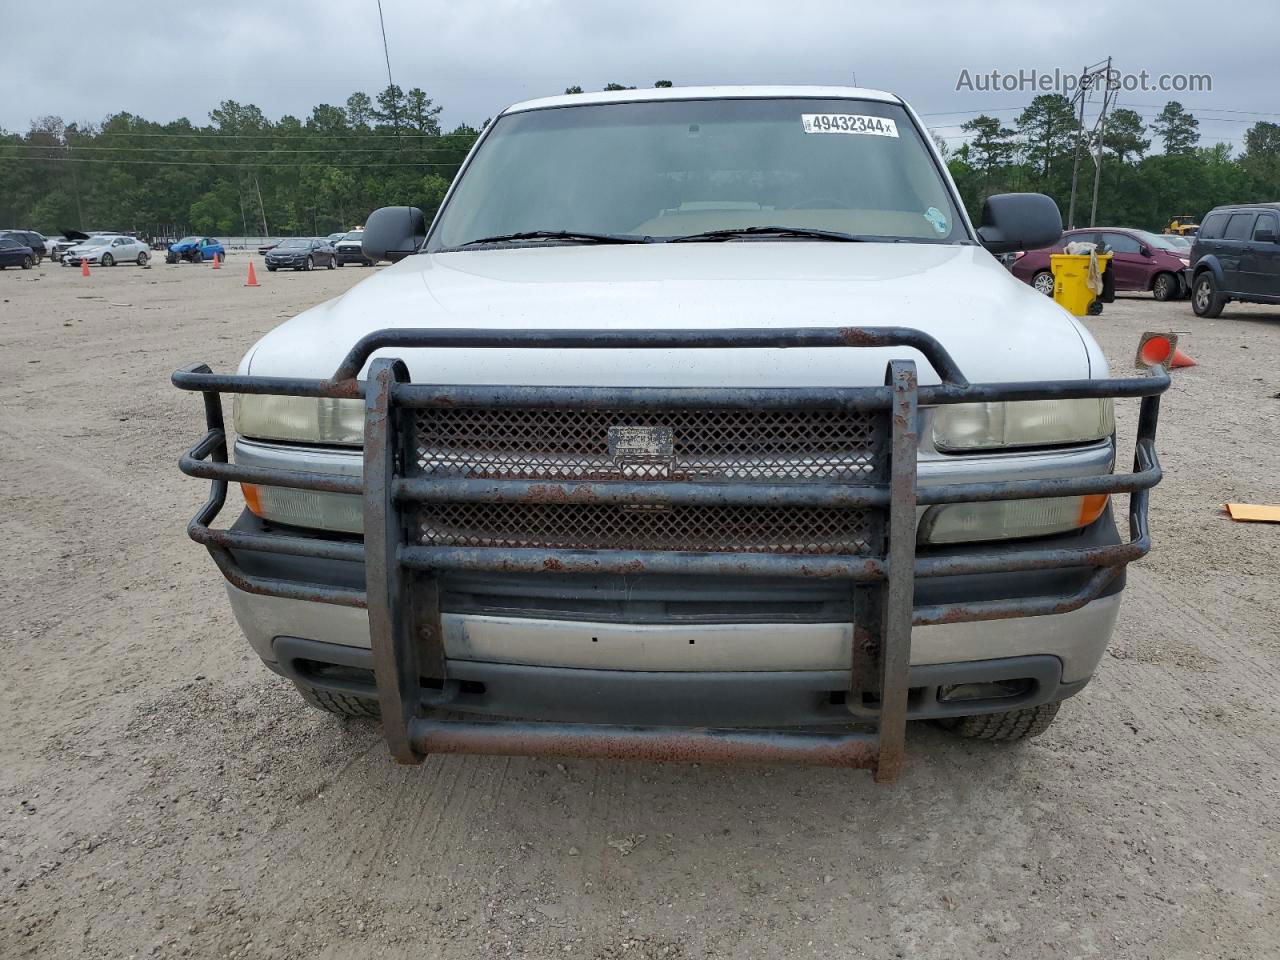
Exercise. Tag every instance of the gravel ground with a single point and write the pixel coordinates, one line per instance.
(162, 794)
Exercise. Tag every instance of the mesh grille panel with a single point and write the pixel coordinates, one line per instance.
(713, 529)
(573, 444)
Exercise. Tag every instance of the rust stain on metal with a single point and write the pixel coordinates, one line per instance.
(858, 337)
(551, 563)
(559, 493)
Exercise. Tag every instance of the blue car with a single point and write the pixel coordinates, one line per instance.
(15, 254)
(195, 250)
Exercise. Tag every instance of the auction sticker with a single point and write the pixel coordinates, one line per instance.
(848, 123)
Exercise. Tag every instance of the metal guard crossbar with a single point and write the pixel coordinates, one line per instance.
(402, 595)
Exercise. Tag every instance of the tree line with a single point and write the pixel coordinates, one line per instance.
(1139, 187)
(245, 174)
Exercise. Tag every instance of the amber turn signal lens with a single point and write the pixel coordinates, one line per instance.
(1091, 507)
(251, 498)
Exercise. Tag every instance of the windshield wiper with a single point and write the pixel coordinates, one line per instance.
(577, 236)
(810, 233)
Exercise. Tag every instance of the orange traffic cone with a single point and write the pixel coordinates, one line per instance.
(1161, 349)
(84, 267)
(217, 261)
(253, 277)
(1180, 359)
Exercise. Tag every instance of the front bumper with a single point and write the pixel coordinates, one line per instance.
(665, 625)
(700, 520)
(352, 256)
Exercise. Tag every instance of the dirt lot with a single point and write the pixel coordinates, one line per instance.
(162, 794)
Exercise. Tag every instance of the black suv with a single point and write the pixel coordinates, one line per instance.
(1236, 256)
(28, 238)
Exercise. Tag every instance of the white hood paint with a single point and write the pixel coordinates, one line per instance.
(996, 328)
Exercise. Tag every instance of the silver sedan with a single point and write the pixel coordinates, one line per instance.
(107, 251)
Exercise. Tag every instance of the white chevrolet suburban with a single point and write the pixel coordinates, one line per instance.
(699, 424)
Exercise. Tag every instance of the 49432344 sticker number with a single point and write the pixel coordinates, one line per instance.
(848, 123)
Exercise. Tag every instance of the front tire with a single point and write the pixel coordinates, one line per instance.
(340, 704)
(108, 260)
(1165, 287)
(309, 265)
(271, 269)
(1206, 300)
(142, 259)
(27, 263)
(331, 264)
(1043, 283)
(1007, 727)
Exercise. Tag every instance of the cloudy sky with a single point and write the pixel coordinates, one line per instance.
(167, 60)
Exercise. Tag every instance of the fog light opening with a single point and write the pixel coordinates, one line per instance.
(988, 690)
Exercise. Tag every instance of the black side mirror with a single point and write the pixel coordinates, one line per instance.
(1144, 251)
(1019, 221)
(393, 233)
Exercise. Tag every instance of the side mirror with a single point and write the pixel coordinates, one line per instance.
(393, 233)
(1144, 251)
(1019, 221)
(1265, 236)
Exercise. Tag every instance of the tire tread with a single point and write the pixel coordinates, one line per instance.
(340, 704)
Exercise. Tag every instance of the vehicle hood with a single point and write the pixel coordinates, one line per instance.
(995, 327)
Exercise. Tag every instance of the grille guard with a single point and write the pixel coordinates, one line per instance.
(402, 596)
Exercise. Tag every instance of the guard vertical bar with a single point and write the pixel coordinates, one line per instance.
(395, 659)
(899, 593)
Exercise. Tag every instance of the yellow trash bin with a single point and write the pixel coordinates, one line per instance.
(1071, 280)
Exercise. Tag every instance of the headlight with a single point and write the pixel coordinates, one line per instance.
(300, 419)
(1009, 519)
(968, 427)
(306, 508)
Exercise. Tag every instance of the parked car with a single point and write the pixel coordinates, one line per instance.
(16, 254)
(1140, 261)
(350, 250)
(671, 489)
(195, 250)
(29, 238)
(1236, 256)
(302, 253)
(335, 237)
(108, 251)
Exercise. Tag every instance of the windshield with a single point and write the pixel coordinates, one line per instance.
(1169, 242)
(96, 241)
(354, 235)
(674, 168)
(295, 243)
(189, 240)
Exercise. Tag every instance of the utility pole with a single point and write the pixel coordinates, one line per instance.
(1075, 164)
(261, 207)
(1102, 129)
(1090, 77)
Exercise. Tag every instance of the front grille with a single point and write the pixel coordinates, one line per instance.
(543, 443)
(713, 529)
(572, 445)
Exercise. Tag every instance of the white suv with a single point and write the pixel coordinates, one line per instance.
(700, 407)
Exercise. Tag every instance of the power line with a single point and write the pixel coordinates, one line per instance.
(220, 163)
(237, 151)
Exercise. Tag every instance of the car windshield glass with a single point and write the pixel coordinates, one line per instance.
(294, 243)
(1156, 240)
(677, 168)
(96, 241)
(189, 240)
(354, 235)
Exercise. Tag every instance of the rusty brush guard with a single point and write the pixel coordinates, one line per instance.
(627, 492)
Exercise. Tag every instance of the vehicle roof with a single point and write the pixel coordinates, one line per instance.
(1261, 205)
(702, 93)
